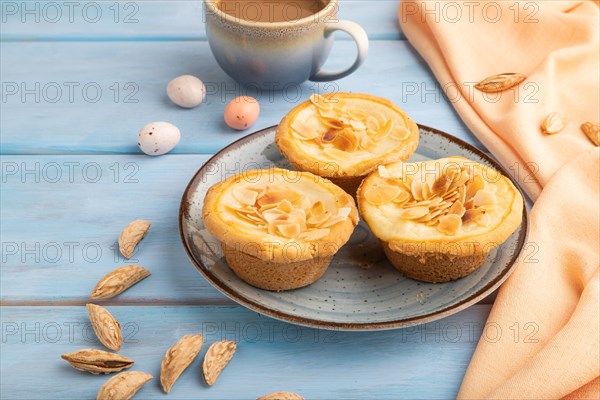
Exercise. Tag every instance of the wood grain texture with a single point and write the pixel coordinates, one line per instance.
(59, 236)
(425, 362)
(64, 202)
(94, 97)
(155, 20)
(61, 216)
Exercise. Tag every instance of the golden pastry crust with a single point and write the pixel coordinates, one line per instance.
(450, 212)
(283, 217)
(372, 131)
(433, 266)
(275, 275)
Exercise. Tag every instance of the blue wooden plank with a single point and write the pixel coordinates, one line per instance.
(94, 97)
(61, 216)
(425, 362)
(143, 20)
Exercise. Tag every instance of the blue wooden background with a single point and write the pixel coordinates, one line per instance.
(77, 85)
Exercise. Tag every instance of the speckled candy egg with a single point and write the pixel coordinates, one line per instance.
(241, 112)
(186, 91)
(158, 138)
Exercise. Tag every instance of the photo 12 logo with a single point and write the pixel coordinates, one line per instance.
(270, 332)
(68, 172)
(433, 92)
(268, 92)
(56, 12)
(470, 11)
(31, 332)
(471, 332)
(70, 92)
(46, 253)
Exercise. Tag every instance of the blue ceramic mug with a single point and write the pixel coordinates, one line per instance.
(278, 53)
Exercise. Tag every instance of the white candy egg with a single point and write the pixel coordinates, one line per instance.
(158, 138)
(186, 91)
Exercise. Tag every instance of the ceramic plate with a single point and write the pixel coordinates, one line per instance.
(360, 290)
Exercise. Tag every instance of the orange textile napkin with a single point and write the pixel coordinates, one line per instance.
(542, 338)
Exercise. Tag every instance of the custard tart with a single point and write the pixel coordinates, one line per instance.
(438, 220)
(345, 136)
(279, 229)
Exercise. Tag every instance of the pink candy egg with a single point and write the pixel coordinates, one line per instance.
(241, 113)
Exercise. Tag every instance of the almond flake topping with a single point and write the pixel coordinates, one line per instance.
(484, 199)
(281, 211)
(304, 131)
(402, 133)
(383, 172)
(245, 196)
(449, 224)
(457, 208)
(336, 126)
(382, 194)
(320, 102)
(317, 214)
(415, 212)
(372, 123)
(446, 199)
(315, 234)
(472, 215)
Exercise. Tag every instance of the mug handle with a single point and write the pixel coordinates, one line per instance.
(362, 46)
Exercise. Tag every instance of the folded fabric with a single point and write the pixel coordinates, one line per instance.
(548, 310)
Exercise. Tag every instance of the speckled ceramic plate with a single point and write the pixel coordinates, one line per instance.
(360, 290)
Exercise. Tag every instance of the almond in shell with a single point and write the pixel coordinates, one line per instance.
(592, 131)
(105, 326)
(123, 386)
(554, 123)
(500, 82)
(131, 236)
(97, 361)
(281, 396)
(178, 358)
(216, 359)
(118, 280)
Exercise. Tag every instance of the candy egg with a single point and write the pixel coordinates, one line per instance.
(186, 91)
(158, 138)
(241, 112)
